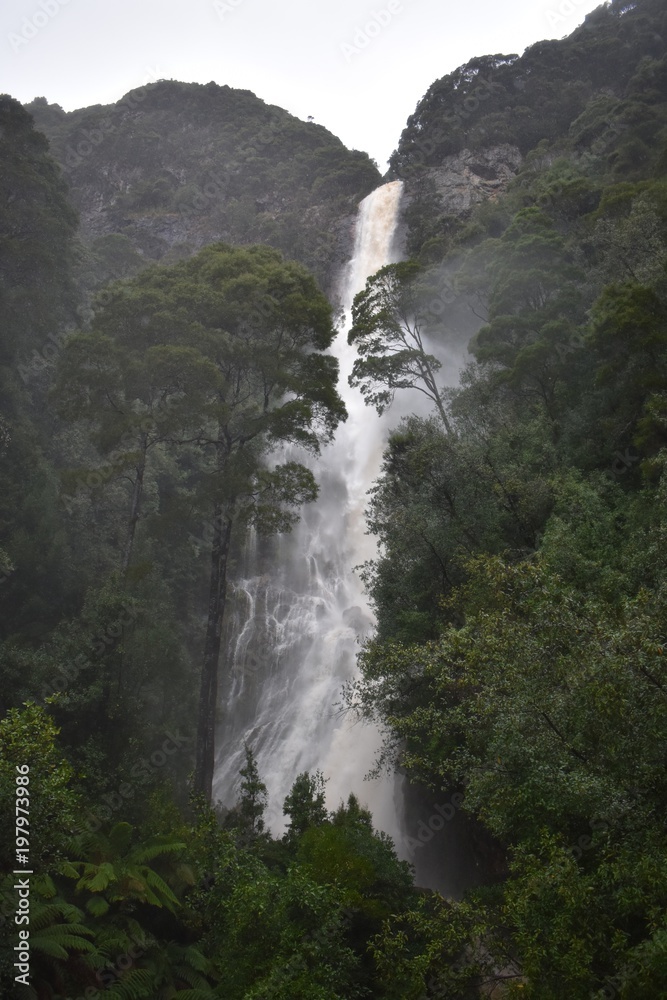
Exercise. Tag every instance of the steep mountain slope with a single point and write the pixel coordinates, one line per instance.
(601, 88)
(518, 663)
(172, 167)
(518, 667)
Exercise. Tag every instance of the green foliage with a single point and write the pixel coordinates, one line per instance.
(499, 99)
(425, 952)
(345, 851)
(520, 585)
(387, 330)
(629, 336)
(28, 739)
(442, 497)
(37, 251)
(248, 816)
(305, 805)
(36, 238)
(119, 869)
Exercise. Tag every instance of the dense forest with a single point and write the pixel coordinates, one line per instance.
(520, 590)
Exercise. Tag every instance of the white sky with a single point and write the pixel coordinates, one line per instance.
(310, 57)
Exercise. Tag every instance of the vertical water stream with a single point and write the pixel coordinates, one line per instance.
(299, 610)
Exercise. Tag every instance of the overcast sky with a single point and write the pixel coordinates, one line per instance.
(357, 67)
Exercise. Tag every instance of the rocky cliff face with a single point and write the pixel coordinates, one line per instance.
(440, 197)
(464, 179)
(173, 167)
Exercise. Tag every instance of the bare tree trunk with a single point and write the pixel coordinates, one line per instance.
(135, 508)
(432, 386)
(205, 750)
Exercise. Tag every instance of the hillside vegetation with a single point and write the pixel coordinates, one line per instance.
(174, 166)
(518, 668)
(519, 660)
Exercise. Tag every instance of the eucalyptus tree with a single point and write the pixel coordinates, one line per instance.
(265, 326)
(388, 330)
(131, 397)
(220, 360)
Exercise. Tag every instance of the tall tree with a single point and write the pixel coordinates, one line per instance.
(265, 325)
(388, 330)
(252, 800)
(305, 805)
(37, 251)
(220, 359)
(37, 227)
(131, 398)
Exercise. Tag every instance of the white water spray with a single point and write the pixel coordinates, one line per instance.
(298, 614)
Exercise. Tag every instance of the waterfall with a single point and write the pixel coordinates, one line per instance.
(298, 611)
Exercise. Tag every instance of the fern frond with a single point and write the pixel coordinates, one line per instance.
(57, 940)
(97, 877)
(45, 886)
(155, 850)
(194, 995)
(67, 868)
(190, 976)
(155, 881)
(136, 984)
(58, 945)
(97, 906)
(196, 959)
(50, 913)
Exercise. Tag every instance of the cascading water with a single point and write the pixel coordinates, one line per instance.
(299, 611)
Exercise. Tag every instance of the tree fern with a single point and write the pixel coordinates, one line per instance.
(197, 960)
(157, 848)
(44, 914)
(135, 984)
(97, 877)
(58, 941)
(97, 906)
(119, 869)
(56, 934)
(157, 883)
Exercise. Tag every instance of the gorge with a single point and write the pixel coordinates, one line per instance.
(168, 300)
